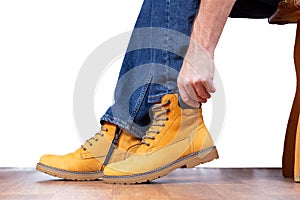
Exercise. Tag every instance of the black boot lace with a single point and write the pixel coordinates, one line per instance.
(89, 142)
(159, 119)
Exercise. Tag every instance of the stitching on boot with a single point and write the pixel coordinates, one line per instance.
(165, 166)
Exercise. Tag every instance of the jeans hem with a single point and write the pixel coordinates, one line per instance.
(157, 98)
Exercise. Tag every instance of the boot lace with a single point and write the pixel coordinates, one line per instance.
(159, 119)
(94, 138)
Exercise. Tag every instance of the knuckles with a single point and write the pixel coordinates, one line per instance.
(197, 82)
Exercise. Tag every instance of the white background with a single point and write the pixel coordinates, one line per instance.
(44, 43)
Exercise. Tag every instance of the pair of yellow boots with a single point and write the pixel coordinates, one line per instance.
(176, 138)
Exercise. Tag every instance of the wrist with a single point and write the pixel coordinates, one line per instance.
(204, 40)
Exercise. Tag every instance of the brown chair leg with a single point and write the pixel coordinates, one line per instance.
(297, 155)
(288, 160)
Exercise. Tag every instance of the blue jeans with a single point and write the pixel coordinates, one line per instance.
(155, 55)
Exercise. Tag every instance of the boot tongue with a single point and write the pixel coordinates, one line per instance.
(183, 105)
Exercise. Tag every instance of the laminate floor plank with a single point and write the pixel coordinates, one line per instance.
(197, 183)
(90, 190)
(140, 192)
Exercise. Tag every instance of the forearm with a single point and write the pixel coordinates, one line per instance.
(210, 22)
(195, 80)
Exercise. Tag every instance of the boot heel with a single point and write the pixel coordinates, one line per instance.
(202, 158)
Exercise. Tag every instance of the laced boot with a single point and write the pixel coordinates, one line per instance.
(176, 138)
(87, 162)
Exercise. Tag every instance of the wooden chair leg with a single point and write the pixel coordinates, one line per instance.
(288, 160)
(297, 155)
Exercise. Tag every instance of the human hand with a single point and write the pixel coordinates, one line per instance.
(195, 80)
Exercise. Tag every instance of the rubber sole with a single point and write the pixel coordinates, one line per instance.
(69, 175)
(189, 161)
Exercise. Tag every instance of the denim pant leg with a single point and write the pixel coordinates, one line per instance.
(155, 55)
(149, 69)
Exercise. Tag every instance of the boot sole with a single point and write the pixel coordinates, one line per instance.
(189, 161)
(69, 175)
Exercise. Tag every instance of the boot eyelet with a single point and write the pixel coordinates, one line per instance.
(96, 139)
(91, 144)
(148, 144)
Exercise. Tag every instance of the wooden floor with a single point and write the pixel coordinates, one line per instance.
(198, 183)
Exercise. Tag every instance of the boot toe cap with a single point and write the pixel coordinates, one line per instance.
(53, 161)
(47, 159)
(116, 169)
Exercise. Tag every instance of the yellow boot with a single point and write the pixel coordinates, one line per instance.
(177, 138)
(87, 162)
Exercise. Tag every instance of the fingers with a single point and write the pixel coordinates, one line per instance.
(190, 93)
(209, 86)
(184, 93)
(195, 85)
(197, 90)
(200, 90)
